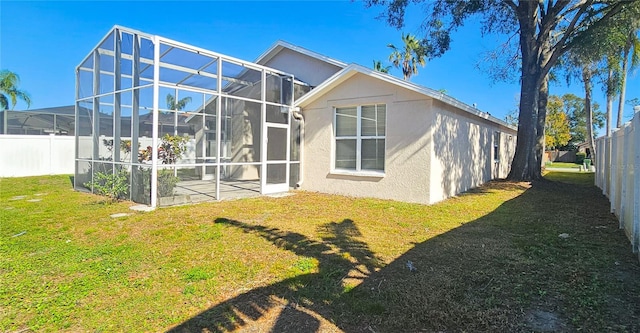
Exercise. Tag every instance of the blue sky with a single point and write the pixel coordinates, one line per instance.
(44, 41)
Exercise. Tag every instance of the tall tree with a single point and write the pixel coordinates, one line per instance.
(587, 74)
(512, 118)
(557, 132)
(409, 57)
(9, 92)
(378, 66)
(614, 40)
(596, 53)
(546, 30)
(611, 89)
(630, 51)
(581, 63)
(574, 107)
(172, 104)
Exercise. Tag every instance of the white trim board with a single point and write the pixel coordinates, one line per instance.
(354, 69)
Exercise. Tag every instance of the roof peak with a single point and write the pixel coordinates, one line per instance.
(279, 45)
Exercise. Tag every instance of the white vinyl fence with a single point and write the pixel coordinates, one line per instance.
(36, 155)
(618, 175)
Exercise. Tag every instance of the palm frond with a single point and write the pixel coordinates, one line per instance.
(635, 53)
(23, 95)
(4, 103)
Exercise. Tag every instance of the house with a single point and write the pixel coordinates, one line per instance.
(402, 141)
(292, 118)
(583, 147)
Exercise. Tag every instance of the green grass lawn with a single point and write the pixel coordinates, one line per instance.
(563, 165)
(488, 260)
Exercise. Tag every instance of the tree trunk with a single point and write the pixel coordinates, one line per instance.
(586, 78)
(526, 163)
(623, 79)
(543, 98)
(525, 159)
(609, 102)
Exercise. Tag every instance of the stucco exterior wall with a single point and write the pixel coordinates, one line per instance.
(305, 68)
(507, 151)
(462, 153)
(408, 142)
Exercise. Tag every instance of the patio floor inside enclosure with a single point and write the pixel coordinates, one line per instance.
(182, 124)
(203, 190)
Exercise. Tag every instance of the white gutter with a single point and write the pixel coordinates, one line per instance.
(298, 116)
(352, 69)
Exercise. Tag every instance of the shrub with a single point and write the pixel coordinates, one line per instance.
(580, 157)
(113, 185)
(166, 182)
(172, 147)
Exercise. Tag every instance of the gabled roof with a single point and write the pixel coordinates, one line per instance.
(353, 69)
(280, 45)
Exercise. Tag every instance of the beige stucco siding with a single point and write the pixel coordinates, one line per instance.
(462, 154)
(408, 140)
(507, 150)
(305, 68)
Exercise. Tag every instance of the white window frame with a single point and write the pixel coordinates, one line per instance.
(358, 137)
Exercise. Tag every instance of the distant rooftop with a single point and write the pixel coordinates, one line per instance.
(58, 120)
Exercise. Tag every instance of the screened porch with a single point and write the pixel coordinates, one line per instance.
(181, 124)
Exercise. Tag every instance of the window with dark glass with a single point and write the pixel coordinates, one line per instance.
(360, 137)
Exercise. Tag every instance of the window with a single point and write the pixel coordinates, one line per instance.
(360, 137)
(496, 146)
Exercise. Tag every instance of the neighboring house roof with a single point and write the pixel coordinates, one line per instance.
(353, 69)
(39, 121)
(583, 145)
(67, 109)
(278, 46)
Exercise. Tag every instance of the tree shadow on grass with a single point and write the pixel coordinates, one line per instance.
(501, 272)
(339, 256)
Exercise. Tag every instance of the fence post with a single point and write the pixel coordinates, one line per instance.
(613, 173)
(635, 232)
(625, 173)
(52, 138)
(605, 156)
(599, 164)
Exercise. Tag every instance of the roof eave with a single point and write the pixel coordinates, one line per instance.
(352, 69)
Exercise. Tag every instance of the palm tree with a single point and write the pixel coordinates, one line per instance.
(631, 48)
(611, 76)
(179, 105)
(587, 75)
(9, 92)
(377, 66)
(582, 62)
(408, 59)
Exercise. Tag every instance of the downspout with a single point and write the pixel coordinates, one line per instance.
(297, 115)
